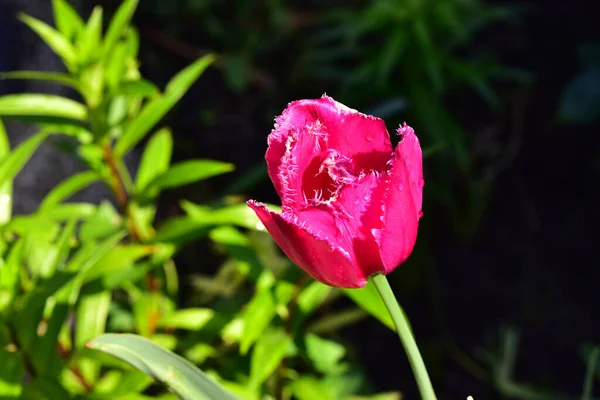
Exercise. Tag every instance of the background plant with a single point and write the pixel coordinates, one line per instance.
(73, 271)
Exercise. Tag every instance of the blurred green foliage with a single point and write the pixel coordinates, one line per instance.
(72, 271)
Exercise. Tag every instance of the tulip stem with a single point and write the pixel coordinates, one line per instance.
(406, 336)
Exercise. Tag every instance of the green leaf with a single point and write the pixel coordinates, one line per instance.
(257, 316)
(192, 319)
(312, 296)
(68, 22)
(187, 172)
(325, 354)
(91, 37)
(155, 159)
(5, 184)
(182, 377)
(310, 388)
(92, 84)
(92, 313)
(379, 396)
(180, 230)
(140, 87)
(369, 300)
(11, 374)
(55, 40)
(157, 108)
(105, 221)
(11, 165)
(43, 105)
(268, 353)
(67, 188)
(119, 25)
(56, 77)
(236, 214)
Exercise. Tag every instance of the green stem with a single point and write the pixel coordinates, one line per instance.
(406, 336)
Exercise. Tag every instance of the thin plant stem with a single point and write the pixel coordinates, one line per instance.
(591, 371)
(406, 336)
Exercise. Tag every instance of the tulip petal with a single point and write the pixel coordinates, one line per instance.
(311, 250)
(305, 132)
(401, 202)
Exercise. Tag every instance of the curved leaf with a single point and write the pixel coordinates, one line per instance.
(12, 164)
(56, 77)
(67, 21)
(187, 172)
(369, 300)
(181, 376)
(157, 108)
(156, 158)
(6, 187)
(54, 39)
(44, 105)
(119, 24)
(67, 188)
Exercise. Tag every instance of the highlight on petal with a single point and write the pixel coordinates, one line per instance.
(305, 134)
(310, 250)
(401, 202)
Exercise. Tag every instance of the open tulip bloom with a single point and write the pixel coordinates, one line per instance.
(350, 202)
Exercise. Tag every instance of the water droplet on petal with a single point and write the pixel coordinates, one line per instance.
(370, 138)
(366, 197)
(420, 214)
(421, 182)
(400, 186)
(356, 201)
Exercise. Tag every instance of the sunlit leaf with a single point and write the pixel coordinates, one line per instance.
(236, 214)
(325, 354)
(68, 22)
(267, 354)
(257, 316)
(310, 388)
(368, 299)
(43, 105)
(119, 24)
(183, 378)
(11, 165)
(191, 319)
(90, 37)
(155, 159)
(187, 172)
(54, 39)
(11, 374)
(156, 109)
(6, 183)
(56, 77)
(67, 188)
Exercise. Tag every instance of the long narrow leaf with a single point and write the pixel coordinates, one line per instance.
(67, 188)
(12, 164)
(6, 187)
(156, 109)
(181, 376)
(54, 39)
(68, 22)
(44, 105)
(56, 77)
(119, 24)
(187, 172)
(156, 158)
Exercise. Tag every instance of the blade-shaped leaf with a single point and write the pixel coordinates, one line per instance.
(6, 187)
(54, 39)
(56, 77)
(11, 165)
(156, 158)
(268, 353)
(91, 36)
(44, 105)
(187, 172)
(157, 108)
(68, 22)
(369, 300)
(67, 188)
(119, 24)
(259, 313)
(181, 376)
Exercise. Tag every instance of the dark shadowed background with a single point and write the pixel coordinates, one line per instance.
(502, 289)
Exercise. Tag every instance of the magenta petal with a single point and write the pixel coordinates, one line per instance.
(307, 129)
(309, 250)
(402, 201)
